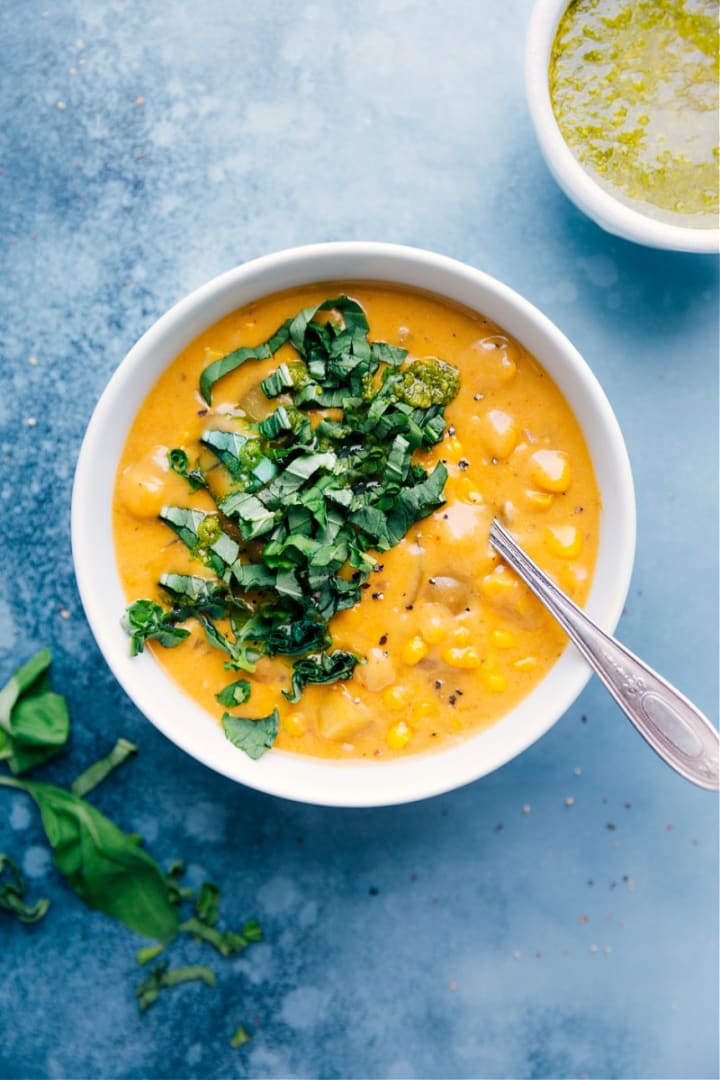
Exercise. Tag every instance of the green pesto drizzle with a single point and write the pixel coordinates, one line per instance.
(634, 88)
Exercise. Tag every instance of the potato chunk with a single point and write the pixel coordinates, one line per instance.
(341, 715)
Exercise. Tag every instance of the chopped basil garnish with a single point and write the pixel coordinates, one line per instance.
(180, 464)
(147, 621)
(235, 693)
(307, 497)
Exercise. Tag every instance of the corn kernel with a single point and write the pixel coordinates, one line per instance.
(452, 449)
(421, 710)
(396, 697)
(550, 470)
(537, 501)
(398, 735)
(211, 355)
(495, 681)
(496, 365)
(434, 630)
(565, 541)
(461, 636)
(503, 639)
(294, 723)
(498, 433)
(466, 658)
(466, 491)
(414, 650)
(498, 586)
(526, 663)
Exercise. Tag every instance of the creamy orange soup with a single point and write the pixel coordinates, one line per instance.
(450, 637)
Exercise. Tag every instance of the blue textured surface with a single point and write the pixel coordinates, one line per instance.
(145, 148)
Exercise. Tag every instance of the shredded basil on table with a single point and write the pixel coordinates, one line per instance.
(12, 893)
(309, 495)
(94, 775)
(240, 1037)
(163, 976)
(108, 869)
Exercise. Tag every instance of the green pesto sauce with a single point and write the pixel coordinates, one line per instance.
(634, 88)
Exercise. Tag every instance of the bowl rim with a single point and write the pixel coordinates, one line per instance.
(294, 776)
(605, 209)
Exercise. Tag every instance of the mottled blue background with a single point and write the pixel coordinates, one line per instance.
(145, 148)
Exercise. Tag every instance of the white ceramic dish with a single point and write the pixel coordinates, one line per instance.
(291, 775)
(608, 212)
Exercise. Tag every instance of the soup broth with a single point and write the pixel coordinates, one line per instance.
(449, 638)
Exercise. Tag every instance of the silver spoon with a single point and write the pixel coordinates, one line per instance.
(673, 726)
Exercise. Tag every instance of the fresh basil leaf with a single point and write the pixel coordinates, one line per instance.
(190, 594)
(296, 638)
(235, 693)
(20, 682)
(41, 720)
(219, 368)
(146, 621)
(242, 456)
(101, 769)
(252, 736)
(326, 668)
(241, 655)
(163, 976)
(107, 869)
(34, 722)
(278, 382)
(12, 893)
(388, 354)
(253, 516)
(416, 502)
(40, 729)
(203, 535)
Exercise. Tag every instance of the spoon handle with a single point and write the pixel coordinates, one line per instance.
(673, 726)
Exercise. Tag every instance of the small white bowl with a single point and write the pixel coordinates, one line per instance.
(608, 212)
(294, 776)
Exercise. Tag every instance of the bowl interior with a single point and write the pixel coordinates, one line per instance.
(185, 723)
(612, 215)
